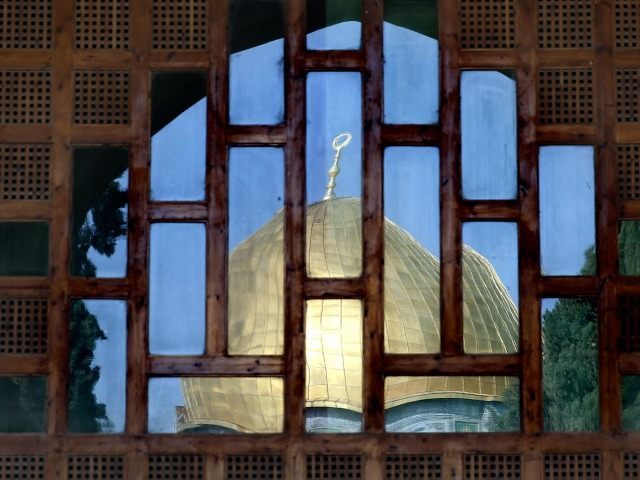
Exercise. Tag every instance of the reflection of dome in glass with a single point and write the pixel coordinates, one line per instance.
(334, 331)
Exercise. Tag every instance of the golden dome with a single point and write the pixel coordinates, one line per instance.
(334, 327)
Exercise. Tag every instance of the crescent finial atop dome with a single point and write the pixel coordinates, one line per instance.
(340, 142)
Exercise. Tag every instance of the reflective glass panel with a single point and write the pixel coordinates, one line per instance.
(178, 135)
(100, 191)
(412, 250)
(256, 258)
(411, 76)
(334, 366)
(23, 403)
(334, 128)
(631, 403)
(490, 287)
(334, 24)
(98, 366)
(629, 247)
(567, 211)
(256, 64)
(24, 249)
(570, 364)
(452, 404)
(177, 274)
(489, 145)
(216, 405)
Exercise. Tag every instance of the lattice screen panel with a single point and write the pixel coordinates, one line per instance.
(565, 24)
(413, 467)
(101, 24)
(627, 23)
(253, 467)
(95, 468)
(101, 97)
(631, 465)
(26, 23)
(17, 467)
(25, 97)
(629, 316)
(23, 325)
(180, 24)
(629, 171)
(176, 467)
(583, 466)
(505, 467)
(487, 24)
(627, 95)
(334, 467)
(565, 96)
(24, 171)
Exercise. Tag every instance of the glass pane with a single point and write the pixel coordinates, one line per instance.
(256, 66)
(570, 364)
(334, 366)
(490, 287)
(411, 77)
(334, 24)
(412, 250)
(567, 211)
(452, 404)
(24, 249)
(629, 247)
(98, 366)
(178, 135)
(100, 191)
(489, 138)
(334, 224)
(23, 404)
(177, 273)
(256, 260)
(631, 403)
(216, 405)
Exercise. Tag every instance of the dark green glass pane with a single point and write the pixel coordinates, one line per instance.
(334, 24)
(254, 22)
(22, 404)
(24, 249)
(99, 217)
(631, 403)
(629, 247)
(418, 15)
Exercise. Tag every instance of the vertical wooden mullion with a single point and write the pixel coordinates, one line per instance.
(217, 182)
(529, 246)
(450, 195)
(373, 220)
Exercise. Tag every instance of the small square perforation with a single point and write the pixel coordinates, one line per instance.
(565, 24)
(506, 467)
(627, 99)
(96, 467)
(322, 467)
(18, 467)
(583, 466)
(23, 325)
(175, 467)
(25, 97)
(487, 24)
(565, 96)
(629, 171)
(253, 467)
(102, 24)
(627, 23)
(101, 97)
(24, 171)
(631, 465)
(180, 24)
(26, 23)
(413, 467)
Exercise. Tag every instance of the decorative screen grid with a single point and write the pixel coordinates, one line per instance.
(102, 24)
(340, 467)
(629, 171)
(175, 467)
(95, 468)
(23, 325)
(487, 24)
(18, 467)
(24, 171)
(584, 466)
(627, 95)
(180, 24)
(253, 467)
(25, 97)
(26, 23)
(101, 97)
(564, 24)
(631, 466)
(627, 23)
(504, 467)
(413, 467)
(565, 96)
